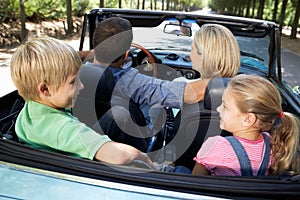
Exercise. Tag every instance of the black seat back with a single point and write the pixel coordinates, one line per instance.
(96, 97)
(85, 107)
(214, 92)
(198, 122)
(10, 107)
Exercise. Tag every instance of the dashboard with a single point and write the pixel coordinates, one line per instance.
(169, 65)
(172, 64)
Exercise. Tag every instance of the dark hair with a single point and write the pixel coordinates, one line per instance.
(111, 39)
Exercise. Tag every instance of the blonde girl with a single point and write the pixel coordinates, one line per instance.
(251, 109)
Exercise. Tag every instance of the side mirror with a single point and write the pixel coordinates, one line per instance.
(176, 29)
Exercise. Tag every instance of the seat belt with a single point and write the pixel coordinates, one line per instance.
(245, 165)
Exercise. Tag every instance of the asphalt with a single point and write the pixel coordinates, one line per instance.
(290, 63)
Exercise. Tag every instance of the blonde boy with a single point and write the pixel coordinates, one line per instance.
(44, 71)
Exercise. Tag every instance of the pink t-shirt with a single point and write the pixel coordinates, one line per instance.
(218, 156)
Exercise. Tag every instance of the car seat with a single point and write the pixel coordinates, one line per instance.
(97, 99)
(196, 122)
(10, 107)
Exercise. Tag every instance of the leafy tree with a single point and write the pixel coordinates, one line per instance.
(38, 10)
(80, 7)
(282, 14)
(274, 17)
(155, 4)
(248, 8)
(162, 4)
(253, 7)
(69, 17)
(168, 5)
(261, 9)
(101, 4)
(23, 20)
(111, 3)
(9, 9)
(296, 21)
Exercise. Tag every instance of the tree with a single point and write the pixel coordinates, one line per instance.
(295, 22)
(248, 8)
(275, 10)
(175, 5)
(101, 4)
(168, 5)
(260, 11)
(143, 4)
(282, 14)
(253, 8)
(69, 17)
(23, 32)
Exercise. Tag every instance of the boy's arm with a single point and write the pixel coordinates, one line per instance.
(118, 153)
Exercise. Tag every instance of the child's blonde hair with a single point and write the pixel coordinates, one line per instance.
(254, 94)
(220, 51)
(40, 60)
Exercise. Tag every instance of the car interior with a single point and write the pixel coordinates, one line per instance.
(202, 118)
(174, 125)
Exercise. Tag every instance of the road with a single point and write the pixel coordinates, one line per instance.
(290, 67)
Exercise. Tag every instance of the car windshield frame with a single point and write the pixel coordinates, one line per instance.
(258, 31)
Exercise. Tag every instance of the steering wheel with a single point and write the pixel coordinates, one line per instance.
(150, 57)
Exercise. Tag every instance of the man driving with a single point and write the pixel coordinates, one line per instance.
(112, 39)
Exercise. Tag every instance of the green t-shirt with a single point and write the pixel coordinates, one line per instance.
(44, 127)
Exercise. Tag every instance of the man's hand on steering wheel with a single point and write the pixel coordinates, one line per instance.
(150, 59)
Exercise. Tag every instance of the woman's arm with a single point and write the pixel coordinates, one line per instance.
(194, 91)
(148, 90)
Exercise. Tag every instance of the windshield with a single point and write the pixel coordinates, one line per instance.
(155, 37)
(254, 51)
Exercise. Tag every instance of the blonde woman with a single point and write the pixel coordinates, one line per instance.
(215, 53)
(268, 136)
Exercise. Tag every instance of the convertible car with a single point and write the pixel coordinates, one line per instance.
(161, 46)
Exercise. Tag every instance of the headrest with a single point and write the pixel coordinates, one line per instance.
(214, 92)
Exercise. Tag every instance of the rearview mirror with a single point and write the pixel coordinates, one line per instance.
(176, 29)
